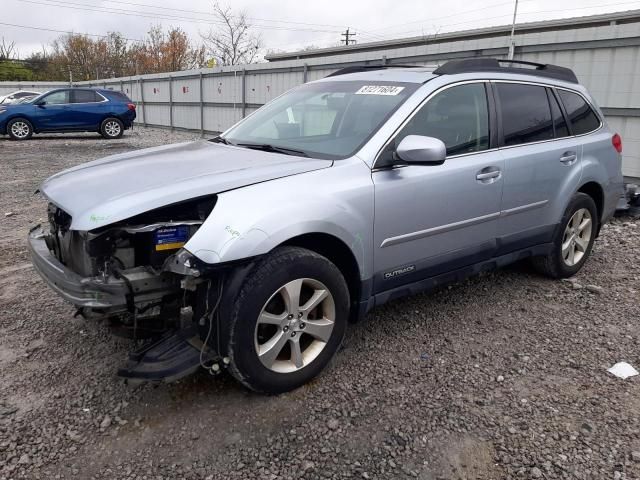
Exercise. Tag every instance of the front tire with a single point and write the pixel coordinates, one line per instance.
(20, 129)
(111, 128)
(574, 240)
(288, 320)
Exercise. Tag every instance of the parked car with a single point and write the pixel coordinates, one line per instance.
(107, 112)
(253, 250)
(13, 97)
(26, 99)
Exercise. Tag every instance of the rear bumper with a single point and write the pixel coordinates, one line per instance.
(128, 118)
(92, 292)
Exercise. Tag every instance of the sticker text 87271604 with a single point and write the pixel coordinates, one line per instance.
(379, 90)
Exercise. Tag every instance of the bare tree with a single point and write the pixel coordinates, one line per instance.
(233, 43)
(8, 50)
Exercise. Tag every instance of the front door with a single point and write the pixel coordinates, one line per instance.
(52, 111)
(434, 219)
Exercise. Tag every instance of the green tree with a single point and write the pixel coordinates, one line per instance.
(11, 70)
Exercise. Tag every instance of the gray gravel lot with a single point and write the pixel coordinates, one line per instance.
(501, 376)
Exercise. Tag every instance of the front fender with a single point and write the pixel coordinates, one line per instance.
(253, 220)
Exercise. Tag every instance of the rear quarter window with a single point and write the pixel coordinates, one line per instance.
(119, 97)
(581, 116)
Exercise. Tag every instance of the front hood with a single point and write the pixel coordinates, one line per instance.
(114, 188)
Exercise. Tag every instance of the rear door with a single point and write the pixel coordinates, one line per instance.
(87, 109)
(430, 220)
(542, 164)
(52, 111)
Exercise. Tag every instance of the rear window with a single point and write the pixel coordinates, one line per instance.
(119, 97)
(526, 116)
(581, 116)
(85, 96)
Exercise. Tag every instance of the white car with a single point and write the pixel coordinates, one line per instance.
(13, 97)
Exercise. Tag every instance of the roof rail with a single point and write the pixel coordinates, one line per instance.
(367, 68)
(468, 65)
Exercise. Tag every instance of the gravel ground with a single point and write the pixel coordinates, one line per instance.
(501, 376)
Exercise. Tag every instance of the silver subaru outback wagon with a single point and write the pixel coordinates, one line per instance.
(252, 251)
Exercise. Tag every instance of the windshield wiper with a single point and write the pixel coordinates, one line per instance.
(220, 139)
(266, 147)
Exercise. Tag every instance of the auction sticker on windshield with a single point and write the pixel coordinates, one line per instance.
(379, 90)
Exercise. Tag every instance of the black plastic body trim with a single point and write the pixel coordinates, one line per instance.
(525, 239)
(434, 266)
(460, 274)
(494, 124)
(457, 265)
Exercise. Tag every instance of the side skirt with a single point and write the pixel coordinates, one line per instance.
(455, 275)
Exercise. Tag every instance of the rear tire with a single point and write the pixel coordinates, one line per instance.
(111, 128)
(288, 320)
(20, 129)
(573, 241)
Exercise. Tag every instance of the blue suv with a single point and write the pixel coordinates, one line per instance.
(104, 111)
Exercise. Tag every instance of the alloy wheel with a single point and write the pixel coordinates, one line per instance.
(112, 129)
(577, 236)
(20, 129)
(295, 325)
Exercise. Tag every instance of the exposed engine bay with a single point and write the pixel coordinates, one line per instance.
(134, 262)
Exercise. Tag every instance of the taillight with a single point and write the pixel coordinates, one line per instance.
(616, 141)
(131, 106)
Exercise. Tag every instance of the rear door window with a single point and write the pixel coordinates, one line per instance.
(526, 115)
(582, 117)
(84, 96)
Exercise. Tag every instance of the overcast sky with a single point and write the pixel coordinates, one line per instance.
(284, 25)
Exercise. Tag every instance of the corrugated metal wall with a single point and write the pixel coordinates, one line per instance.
(9, 87)
(604, 57)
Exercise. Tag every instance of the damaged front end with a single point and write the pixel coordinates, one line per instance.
(133, 273)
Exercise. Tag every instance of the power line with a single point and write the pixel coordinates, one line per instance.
(457, 14)
(200, 12)
(63, 31)
(508, 15)
(121, 11)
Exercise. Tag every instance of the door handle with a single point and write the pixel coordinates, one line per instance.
(568, 158)
(488, 175)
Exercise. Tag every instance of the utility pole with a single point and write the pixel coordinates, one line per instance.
(347, 41)
(70, 76)
(512, 43)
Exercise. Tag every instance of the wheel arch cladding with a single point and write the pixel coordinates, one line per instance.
(338, 253)
(595, 191)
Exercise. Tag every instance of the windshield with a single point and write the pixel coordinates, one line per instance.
(322, 120)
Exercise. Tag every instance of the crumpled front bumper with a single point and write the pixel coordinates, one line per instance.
(91, 292)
